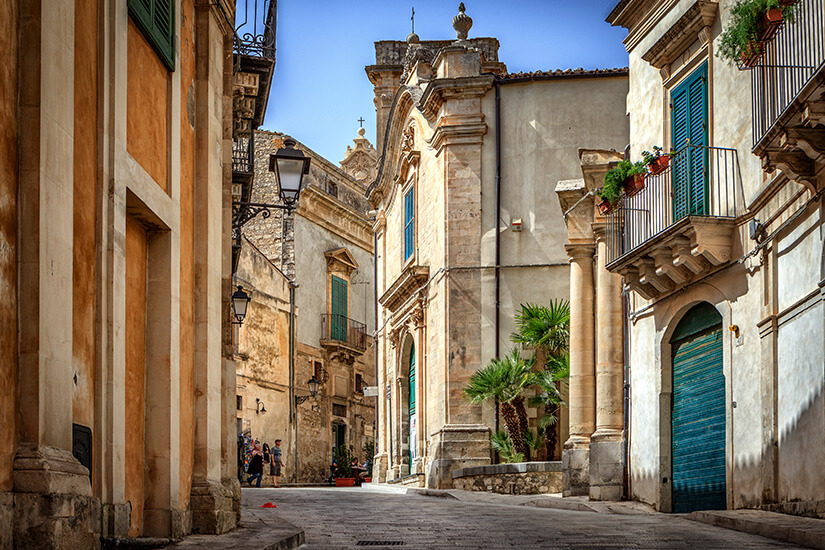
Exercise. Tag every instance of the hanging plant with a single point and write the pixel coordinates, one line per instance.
(657, 161)
(752, 23)
(627, 177)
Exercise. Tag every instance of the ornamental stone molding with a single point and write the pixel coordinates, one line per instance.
(407, 283)
(690, 27)
(340, 260)
(360, 159)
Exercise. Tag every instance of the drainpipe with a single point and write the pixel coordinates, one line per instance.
(498, 236)
(626, 408)
(292, 408)
(375, 332)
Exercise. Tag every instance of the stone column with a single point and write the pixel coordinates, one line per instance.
(606, 459)
(576, 454)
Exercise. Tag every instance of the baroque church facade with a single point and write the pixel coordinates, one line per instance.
(467, 229)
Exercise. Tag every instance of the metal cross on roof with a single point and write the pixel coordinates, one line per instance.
(412, 18)
(361, 122)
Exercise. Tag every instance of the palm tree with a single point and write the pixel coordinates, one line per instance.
(505, 379)
(549, 382)
(546, 329)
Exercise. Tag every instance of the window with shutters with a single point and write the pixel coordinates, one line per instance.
(689, 124)
(338, 317)
(409, 223)
(156, 20)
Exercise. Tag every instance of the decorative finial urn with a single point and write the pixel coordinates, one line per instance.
(462, 23)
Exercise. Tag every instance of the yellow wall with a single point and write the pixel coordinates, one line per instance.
(8, 238)
(147, 108)
(136, 264)
(85, 206)
(187, 262)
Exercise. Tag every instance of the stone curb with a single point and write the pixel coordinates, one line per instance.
(560, 504)
(797, 530)
(442, 493)
(253, 534)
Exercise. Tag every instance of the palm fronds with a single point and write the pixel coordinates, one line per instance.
(546, 327)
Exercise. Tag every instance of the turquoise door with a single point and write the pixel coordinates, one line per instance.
(413, 427)
(338, 320)
(698, 414)
(689, 124)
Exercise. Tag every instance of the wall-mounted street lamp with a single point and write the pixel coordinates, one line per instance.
(312, 384)
(259, 406)
(240, 299)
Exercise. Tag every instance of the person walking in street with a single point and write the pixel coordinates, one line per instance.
(275, 463)
(256, 465)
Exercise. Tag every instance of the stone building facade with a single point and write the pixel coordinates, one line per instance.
(310, 274)
(722, 261)
(115, 419)
(453, 265)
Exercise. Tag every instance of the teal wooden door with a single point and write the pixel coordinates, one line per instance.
(413, 426)
(698, 414)
(689, 123)
(338, 319)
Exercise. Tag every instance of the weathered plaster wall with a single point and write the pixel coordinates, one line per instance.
(187, 262)
(85, 208)
(8, 241)
(136, 268)
(147, 108)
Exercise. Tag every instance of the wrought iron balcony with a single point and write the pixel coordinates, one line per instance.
(254, 62)
(338, 330)
(680, 226)
(255, 33)
(788, 80)
(243, 156)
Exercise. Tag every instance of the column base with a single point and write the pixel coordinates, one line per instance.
(606, 466)
(53, 503)
(213, 508)
(116, 520)
(379, 468)
(456, 446)
(575, 464)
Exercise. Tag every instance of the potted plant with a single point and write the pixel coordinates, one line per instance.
(657, 161)
(343, 469)
(369, 453)
(752, 23)
(627, 177)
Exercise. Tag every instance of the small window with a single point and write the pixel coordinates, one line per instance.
(359, 383)
(339, 410)
(319, 371)
(409, 223)
(239, 402)
(156, 20)
(333, 189)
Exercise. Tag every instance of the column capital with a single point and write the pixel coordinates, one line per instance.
(578, 251)
(599, 230)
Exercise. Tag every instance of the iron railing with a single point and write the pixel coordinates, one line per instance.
(343, 329)
(700, 181)
(789, 61)
(243, 155)
(255, 33)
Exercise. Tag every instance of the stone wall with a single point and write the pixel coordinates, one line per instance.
(524, 478)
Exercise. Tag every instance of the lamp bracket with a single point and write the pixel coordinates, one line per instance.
(242, 212)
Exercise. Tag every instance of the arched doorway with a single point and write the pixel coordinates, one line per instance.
(698, 424)
(411, 408)
(408, 424)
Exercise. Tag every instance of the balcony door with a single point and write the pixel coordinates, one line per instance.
(338, 319)
(689, 125)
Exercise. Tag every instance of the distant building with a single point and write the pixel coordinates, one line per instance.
(311, 270)
(453, 268)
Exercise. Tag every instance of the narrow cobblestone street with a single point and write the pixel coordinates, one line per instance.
(343, 518)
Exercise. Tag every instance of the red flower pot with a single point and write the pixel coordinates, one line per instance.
(605, 207)
(751, 54)
(659, 165)
(634, 184)
(344, 481)
(787, 2)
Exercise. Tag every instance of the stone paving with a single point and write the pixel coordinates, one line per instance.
(342, 518)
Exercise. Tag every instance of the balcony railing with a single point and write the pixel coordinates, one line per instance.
(243, 155)
(255, 33)
(789, 61)
(344, 330)
(701, 181)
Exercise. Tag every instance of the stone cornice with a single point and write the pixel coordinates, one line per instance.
(404, 286)
(682, 34)
(639, 17)
(328, 212)
(440, 90)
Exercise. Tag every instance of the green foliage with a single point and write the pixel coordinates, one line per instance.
(650, 158)
(613, 180)
(344, 456)
(545, 327)
(503, 445)
(503, 379)
(746, 23)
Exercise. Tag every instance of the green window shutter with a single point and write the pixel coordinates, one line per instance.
(689, 117)
(411, 403)
(338, 321)
(409, 224)
(156, 20)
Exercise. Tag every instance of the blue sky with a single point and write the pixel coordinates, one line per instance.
(320, 90)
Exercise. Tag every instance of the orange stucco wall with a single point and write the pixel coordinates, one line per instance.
(85, 206)
(8, 238)
(187, 262)
(147, 108)
(136, 264)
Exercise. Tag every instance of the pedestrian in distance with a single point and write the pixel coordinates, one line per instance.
(276, 462)
(256, 465)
